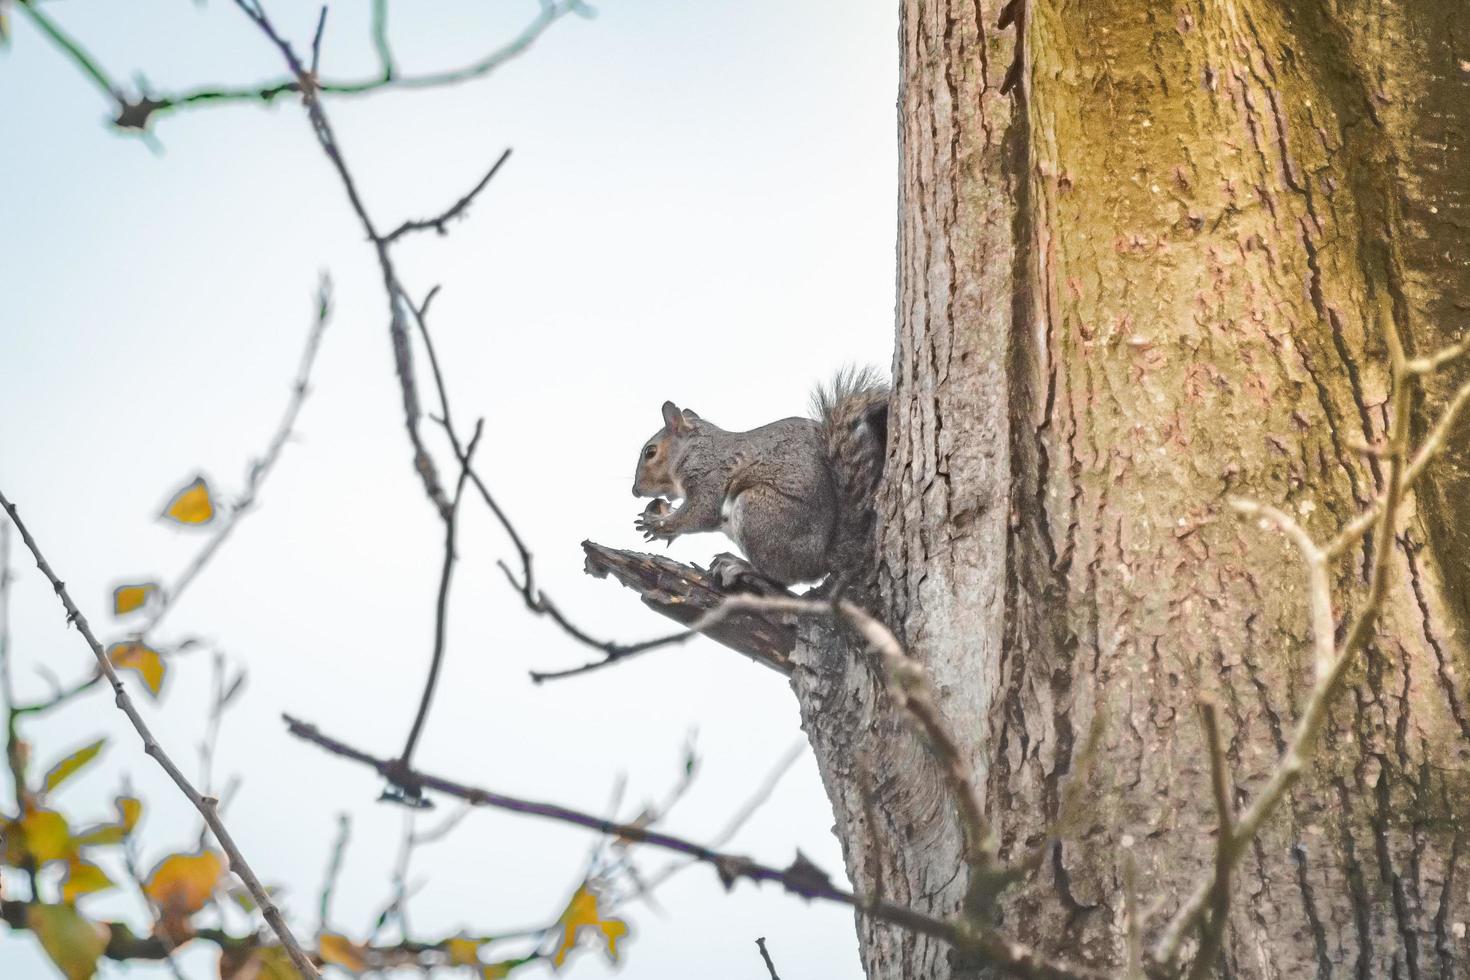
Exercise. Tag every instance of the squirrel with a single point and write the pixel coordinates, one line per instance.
(796, 495)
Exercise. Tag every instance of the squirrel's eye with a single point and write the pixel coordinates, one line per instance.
(648, 451)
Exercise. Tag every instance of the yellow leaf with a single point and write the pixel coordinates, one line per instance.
(181, 884)
(129, 810)
(45, 836)
(101, 835)
(64, 769)
(192, 504)
(73, 943)
(498, 971)
(130, 598)
(464, 952)
(83, 878)
(142, 658)
(582, 913)
(343, 952)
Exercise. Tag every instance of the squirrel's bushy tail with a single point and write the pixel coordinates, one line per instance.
(853, 413)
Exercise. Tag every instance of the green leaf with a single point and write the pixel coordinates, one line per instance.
(72, 942)
(67, 767)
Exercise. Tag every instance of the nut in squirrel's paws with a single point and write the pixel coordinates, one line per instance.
(651, 522)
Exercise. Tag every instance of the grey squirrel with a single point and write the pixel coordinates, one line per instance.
(796, 495)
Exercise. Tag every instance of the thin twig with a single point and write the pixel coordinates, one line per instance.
(613, 652)
(1219, 916)
(334, 870)
(909, 685)
(398, 300)
(380, 38)
(1437, 360)
(397, 296)
(454, 211)
(130, 864)
(1319, 585)
(1431, 447)
(136, 112)
(1132, 920)
(1381, 517)
(398, 904)
(7, 690)
(207, 806)
(316, 43)
(738, 820)
(441, 607)
(800, 878)
(260, 468)
(256, 475)
(765, 955)
(73, 50)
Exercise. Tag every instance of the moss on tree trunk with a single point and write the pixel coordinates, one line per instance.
(1154, 276)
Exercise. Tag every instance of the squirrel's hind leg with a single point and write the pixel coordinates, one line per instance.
(785, 540)
(734, 574)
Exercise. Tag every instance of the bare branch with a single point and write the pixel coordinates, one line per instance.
(206, 806)
(908, 683)
(1219, 915)
(689, 596)
(260, 469)
(1437, 360)
(1382, 518)
(1132, 920)
(7, 691)
(380, 38)
(1430, 448)
(441, 607)
(334, 870)
(738, 820)
(316, 43)
(397, 296)
(765, 955)
(1319, 585)
(456, 209)
(137, 111)
(73, 50)
(398, 300)
(130, 864)
(801, 878)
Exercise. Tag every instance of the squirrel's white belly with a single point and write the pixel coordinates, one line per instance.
(731, 513)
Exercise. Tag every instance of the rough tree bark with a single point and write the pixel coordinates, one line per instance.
(1158, 274)
(1155, 275)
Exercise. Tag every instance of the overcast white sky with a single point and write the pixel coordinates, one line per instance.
(700, 206)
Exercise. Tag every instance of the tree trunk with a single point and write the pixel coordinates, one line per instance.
(1156, 275)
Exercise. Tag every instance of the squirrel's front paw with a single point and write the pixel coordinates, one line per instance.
(653, 522)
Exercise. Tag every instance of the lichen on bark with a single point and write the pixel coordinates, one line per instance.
(1157, 275)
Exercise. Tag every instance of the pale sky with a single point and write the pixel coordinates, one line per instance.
(700, 206)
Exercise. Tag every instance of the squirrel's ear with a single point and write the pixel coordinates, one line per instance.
(677, 422)
(690, 413)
